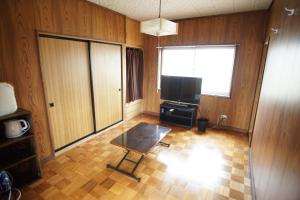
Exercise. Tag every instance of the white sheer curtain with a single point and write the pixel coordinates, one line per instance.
(214, 64)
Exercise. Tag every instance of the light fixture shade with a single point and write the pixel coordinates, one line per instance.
(159, 27)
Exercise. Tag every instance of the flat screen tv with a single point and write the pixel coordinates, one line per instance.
(181, 89)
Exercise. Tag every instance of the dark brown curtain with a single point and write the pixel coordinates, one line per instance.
(134, 74)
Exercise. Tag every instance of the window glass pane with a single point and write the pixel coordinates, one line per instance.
(214, 64)
(178, 62)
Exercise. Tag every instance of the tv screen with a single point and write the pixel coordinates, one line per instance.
(181, 89)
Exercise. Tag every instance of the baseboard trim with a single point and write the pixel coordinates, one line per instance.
(235, 129)
(46, 159)
(229, 128)
(253, 192)
(88, 138)
(151, 113)
(212, 125)
(134, 116)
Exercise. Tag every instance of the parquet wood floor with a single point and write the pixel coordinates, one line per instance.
(212, 166)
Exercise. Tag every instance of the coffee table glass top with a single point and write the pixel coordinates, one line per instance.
(142, 137)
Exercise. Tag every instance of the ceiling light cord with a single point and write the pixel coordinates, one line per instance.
(158, 42)
(159, 12)
(159, 9)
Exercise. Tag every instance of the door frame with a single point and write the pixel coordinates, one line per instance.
(88, 41)
(259, 83)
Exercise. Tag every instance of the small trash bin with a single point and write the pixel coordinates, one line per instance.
(202, 124)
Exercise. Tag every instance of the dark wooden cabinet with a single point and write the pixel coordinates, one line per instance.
(18, 156)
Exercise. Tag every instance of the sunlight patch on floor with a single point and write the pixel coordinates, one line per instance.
(203, 166)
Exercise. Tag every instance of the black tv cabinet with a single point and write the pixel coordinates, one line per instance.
(178, 114)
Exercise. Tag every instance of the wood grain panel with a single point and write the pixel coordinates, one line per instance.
(112, 29)
(66, 78)
(133, 35)
(247, 30)
(258, 89)
(66, 16)
(276, 140)
(79, 18)
(20, 59)
(134, 39)
(19, 56)
(107, 83)
(84, 17)
(151, 97)
(133, 109)
(45, 18)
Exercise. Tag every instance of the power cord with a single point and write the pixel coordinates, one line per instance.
(6, 181)
(18, 191)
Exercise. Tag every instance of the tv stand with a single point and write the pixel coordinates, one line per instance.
(180, 114)
(176, 104)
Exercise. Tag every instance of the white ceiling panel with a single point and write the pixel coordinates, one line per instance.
(180, 9)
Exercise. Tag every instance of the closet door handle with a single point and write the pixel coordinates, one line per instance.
(120, 89)
(51, 104)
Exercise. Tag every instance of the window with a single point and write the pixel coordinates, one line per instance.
(214, 64)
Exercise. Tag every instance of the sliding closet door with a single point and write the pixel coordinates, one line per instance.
(66, 78)
(106, 71)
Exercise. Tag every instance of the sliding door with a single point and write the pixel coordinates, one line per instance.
(107, 83)
(66, 78)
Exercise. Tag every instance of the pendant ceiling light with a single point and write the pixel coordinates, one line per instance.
(159, 26)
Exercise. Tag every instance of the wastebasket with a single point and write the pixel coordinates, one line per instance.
(202, 124)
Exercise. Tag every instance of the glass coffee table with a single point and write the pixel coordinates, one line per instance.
(139, 139)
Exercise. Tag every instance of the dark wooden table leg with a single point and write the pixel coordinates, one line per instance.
(130, 174)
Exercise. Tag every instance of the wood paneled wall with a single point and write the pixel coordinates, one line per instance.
(276, 141)
(133, 35)
(133, 109)
(134, 38)
(20, 20)
(247, 30)
(79, 18)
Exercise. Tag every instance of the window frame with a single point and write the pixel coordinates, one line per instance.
(235, 62)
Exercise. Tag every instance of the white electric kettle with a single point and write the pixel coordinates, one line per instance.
(16, 128)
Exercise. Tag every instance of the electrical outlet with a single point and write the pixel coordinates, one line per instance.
(223, 117)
